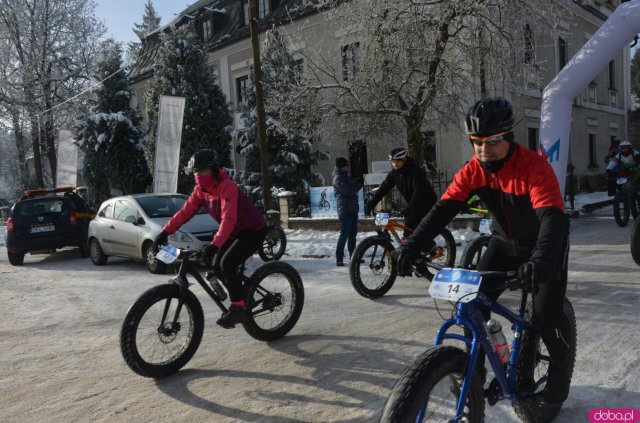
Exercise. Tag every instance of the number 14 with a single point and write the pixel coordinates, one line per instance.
(453, 288)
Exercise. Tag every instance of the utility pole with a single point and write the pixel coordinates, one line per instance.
(262, 129)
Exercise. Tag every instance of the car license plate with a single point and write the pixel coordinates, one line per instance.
(455, 285)
(38, 229)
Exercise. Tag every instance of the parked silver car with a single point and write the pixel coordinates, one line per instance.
(126, 226)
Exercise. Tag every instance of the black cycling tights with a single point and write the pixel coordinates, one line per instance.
(233, 253)
(548, 313)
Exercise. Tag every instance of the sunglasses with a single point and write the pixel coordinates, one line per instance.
(491, 140)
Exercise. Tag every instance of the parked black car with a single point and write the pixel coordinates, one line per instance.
(44, 220)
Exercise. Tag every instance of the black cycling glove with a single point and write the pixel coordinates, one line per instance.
(160, 240)
(208, 253)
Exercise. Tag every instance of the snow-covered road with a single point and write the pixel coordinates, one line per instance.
(60, 318)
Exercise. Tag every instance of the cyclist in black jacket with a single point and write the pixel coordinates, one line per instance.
(413, 185)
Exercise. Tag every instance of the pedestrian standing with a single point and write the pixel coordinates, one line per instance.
(346, 192)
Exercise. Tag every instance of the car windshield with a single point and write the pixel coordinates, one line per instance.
(163, 206)
(41, 206)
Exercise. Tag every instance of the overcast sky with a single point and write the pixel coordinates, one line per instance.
(120, 15)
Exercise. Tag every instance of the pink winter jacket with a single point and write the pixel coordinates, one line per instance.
(227, 204)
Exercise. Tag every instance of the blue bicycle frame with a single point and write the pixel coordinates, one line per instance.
(469, 316)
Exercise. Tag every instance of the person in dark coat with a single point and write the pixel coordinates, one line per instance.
(413, 184)
(346, 192)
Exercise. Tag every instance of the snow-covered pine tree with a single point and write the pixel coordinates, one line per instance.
(182, 71)
(150, 22)
(111, 135)
(289, 131)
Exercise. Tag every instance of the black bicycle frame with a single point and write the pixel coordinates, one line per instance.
(187, 268)
(469, 316)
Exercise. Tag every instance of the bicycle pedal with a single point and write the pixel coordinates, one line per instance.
(492, 393)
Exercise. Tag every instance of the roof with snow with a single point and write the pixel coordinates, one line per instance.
(228, 27)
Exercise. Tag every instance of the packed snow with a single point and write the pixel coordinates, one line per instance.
(61, 315)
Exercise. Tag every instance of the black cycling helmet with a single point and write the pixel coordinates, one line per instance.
(489, 116)
(207, 158)
(398, 153)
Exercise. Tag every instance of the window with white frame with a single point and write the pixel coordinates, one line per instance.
(593, 160)
(264, 8)
(245, 12)
(529, 44)
(562, 53)
(242, 84)
(612, 75)
(592, 91)
(206, 30)
(350, 61)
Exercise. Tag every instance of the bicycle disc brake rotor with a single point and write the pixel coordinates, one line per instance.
(167, 333)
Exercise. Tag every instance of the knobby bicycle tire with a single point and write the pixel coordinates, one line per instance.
(274, 244)
(267, 301)
(413, 393)
(621, 209)
(161, 337)
(373, 257)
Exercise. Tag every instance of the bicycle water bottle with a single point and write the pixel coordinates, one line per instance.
(499, 341)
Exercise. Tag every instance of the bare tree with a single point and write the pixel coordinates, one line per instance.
(412, 66)
(47, 48)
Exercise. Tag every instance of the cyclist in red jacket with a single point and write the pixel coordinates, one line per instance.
(530, 230)
(241, 232)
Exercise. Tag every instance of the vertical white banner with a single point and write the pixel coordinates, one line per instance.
(169, 135)
(67, 167)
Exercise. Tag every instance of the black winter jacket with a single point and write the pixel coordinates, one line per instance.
(414, 186)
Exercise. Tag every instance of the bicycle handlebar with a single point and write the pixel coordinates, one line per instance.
(512, 280)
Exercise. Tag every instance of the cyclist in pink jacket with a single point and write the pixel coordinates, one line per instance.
(241, 232)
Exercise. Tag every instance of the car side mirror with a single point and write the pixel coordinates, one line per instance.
(140, 221)
(131, 219)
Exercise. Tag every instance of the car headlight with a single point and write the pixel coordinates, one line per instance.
(180, 237)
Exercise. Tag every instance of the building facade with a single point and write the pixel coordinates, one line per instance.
(599, 113)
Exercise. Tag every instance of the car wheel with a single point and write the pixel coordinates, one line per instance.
(98, 257)
(149, 255)
(15, 259)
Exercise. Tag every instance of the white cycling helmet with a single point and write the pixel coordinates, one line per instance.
(398, 153)
(625, 143)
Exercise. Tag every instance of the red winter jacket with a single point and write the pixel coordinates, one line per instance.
(523, 197)
(227, 204)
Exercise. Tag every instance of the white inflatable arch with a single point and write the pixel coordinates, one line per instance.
(557, 98)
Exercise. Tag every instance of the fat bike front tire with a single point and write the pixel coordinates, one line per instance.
(373, 268)
(428, 390)
(275, 300)
(621, 209)
(151, 344)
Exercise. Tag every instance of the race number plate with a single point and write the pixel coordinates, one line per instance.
(485, 226)
(168, 254)
(455, 285)
(382, 219)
